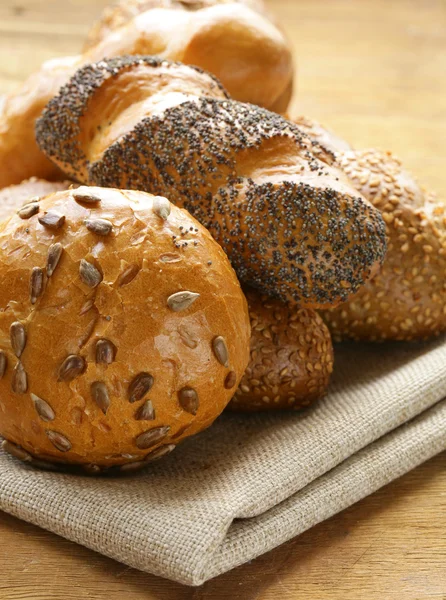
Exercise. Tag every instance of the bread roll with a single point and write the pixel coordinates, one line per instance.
(406, 300)
(291, 357)
(119, 14)
(124, 329)
(240, 45)
(235, 40)
(13, 197)
(291, 223)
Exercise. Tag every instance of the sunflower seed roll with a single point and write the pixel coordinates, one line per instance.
(94, 366)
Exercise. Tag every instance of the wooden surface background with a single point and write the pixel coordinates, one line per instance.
(374, 71)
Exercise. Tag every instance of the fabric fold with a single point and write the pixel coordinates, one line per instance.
(251, 482)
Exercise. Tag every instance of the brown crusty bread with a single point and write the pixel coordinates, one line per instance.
(291, 357)
(239, 44)
(291, 223)
(123, 329)
(13, 197)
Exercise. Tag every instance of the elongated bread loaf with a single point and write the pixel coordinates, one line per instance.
(290, 221)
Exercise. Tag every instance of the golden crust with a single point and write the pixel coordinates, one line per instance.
(104, 362)
(14, 196)
(20, 157)
(325, 137)
(238, 44)
(235, 40)
(406, 300)
(291, 357)
(117, 16)
(291, 223)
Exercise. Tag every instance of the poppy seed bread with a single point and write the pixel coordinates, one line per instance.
(290, 222)
(234, 40)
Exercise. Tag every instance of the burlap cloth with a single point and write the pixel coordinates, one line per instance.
(250, 483)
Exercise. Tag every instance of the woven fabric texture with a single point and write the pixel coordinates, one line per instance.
(251, 482)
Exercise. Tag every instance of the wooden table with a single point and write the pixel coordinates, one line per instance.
(375, 71)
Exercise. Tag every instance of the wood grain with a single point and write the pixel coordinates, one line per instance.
(375, 71)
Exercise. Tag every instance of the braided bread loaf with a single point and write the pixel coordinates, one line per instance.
(406, 300)
(239, 44)
(290, 222)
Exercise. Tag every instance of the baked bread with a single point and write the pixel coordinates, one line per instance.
(240, 45)
(291, 223)
(13, 197)
(321, 134)
(291, 357)
(119, 14)
(406, 300)
(124, 329)
(235, 40)
(20, 157)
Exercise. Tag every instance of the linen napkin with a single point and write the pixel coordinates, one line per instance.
(251, 482)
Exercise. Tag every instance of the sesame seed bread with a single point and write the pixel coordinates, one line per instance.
(406, 300)
(239, 44)
(291, 357)
(12, 198)
(291, 222)
(115, 343)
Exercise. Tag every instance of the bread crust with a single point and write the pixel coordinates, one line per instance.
(108, 340)
(236, 42)
(13, 197)
(291, 223)
(291, 357)
(117, 16)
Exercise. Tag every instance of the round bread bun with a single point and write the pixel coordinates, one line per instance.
(406, 300)
(291, 357)
(13, 197)
(123, 329)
